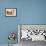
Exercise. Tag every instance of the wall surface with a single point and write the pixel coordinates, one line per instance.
(28, 12)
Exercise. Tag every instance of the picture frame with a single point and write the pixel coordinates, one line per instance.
(10, 12)
(39, 28)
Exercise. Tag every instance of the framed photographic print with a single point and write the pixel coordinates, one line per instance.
(33, 32)
(10, 11)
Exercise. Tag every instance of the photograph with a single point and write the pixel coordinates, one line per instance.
(31, 33)
(10, 11)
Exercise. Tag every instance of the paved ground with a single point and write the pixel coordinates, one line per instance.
(30, 43)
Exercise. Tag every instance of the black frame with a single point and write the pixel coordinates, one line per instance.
(11, 8)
